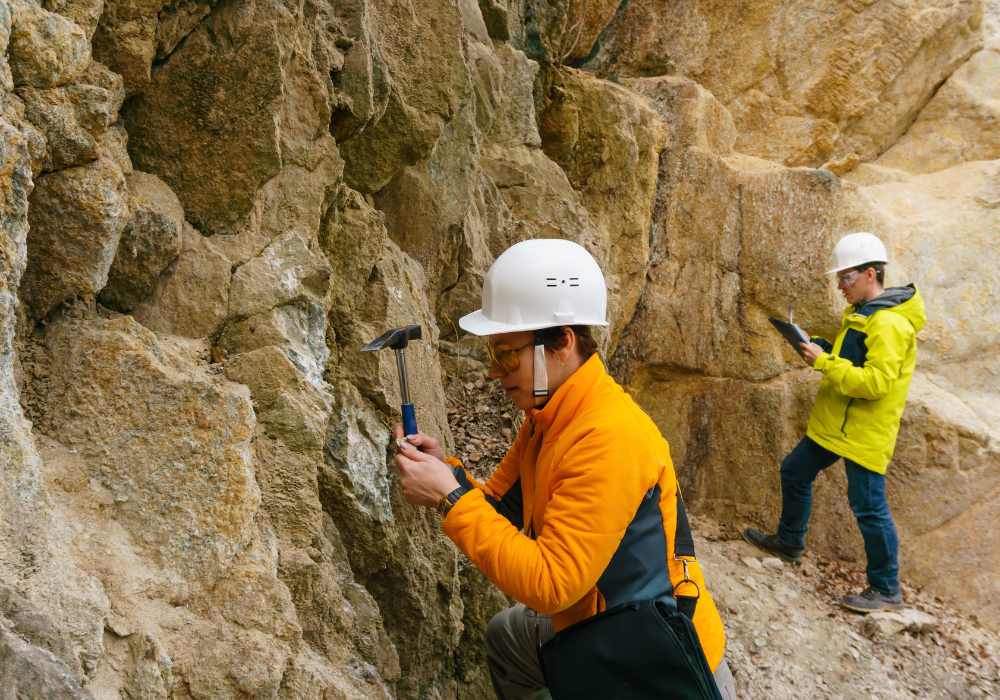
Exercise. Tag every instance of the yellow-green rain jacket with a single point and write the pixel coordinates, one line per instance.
(866, 377)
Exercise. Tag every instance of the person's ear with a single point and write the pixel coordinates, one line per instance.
(568, 344)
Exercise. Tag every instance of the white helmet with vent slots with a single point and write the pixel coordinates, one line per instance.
(540, 283)
(856, 249)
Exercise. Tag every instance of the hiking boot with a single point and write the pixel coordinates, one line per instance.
(772, 545)
(871, 600)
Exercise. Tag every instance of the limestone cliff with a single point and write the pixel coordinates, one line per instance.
(208, 206)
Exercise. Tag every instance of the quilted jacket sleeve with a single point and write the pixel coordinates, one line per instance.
(591, 504)
(887, 343)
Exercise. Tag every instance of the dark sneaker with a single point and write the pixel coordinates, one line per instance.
(771, 544)
(871, 600)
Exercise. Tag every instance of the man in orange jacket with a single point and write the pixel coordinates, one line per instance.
(583, 513)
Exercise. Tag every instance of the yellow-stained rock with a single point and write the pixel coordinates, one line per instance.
(46, 50)
(192, 295)
(183, 487)
(807, 82)
(960, 124)
(74, 117)
(77, 216)
(151, 241)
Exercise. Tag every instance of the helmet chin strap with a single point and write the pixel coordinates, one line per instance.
(541, 387)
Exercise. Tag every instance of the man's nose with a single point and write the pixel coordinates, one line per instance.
(495, 372)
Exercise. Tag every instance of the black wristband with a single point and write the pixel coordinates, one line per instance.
(452, 498)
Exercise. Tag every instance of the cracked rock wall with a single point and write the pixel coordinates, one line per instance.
(208, 206)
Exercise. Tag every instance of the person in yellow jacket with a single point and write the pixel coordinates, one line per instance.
(583, 512)
(866, 378)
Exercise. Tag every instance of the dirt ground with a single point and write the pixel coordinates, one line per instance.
(787, 637)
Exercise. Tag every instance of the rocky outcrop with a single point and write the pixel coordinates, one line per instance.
(208, 206)
(76, 217)
(46, 49)
(150, 241)
(958, 125)
(72, 118)
(807, 83)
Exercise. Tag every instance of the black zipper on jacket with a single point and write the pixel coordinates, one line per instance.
(843, 426)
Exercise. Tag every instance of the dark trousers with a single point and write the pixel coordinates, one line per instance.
(866, 493)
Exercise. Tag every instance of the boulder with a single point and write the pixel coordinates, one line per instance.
(192, 295)
(426, 80)
(85, 13)
(183, 488)
(883, 624)
(46, 50)
(77, 216)
(290, 269)
(150, 242)
(73, 118)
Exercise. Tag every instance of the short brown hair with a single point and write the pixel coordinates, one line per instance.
(554, 338)
(879, 268)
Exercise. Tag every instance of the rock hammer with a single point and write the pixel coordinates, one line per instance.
(398, 339)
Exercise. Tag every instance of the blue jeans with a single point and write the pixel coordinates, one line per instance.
(866, 493)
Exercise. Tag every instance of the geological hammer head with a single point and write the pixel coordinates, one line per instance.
(396, 338)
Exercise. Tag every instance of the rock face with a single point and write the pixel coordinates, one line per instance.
(196, 492)
(150, 241)
(807, 82)
(77, 216)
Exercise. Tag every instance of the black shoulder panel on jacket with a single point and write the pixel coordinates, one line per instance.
(854, 348)
(511, 505)
(638, 569)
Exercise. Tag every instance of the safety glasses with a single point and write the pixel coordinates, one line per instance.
(503, 358)
(847, 278)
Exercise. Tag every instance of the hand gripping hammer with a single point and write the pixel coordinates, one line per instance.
(398, 339)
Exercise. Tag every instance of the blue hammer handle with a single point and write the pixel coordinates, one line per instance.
(409, 419)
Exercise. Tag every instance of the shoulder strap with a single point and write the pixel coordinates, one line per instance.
(684, 552)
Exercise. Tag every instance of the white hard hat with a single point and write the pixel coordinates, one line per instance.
(856, 249)
(540, 283)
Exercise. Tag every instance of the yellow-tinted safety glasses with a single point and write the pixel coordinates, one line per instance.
(505, 359)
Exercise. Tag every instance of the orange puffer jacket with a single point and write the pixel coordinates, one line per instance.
(582, 513)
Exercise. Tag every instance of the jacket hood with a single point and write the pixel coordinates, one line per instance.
(905, 301)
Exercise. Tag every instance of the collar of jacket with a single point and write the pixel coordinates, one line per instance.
(890, 297)
(556, 414)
